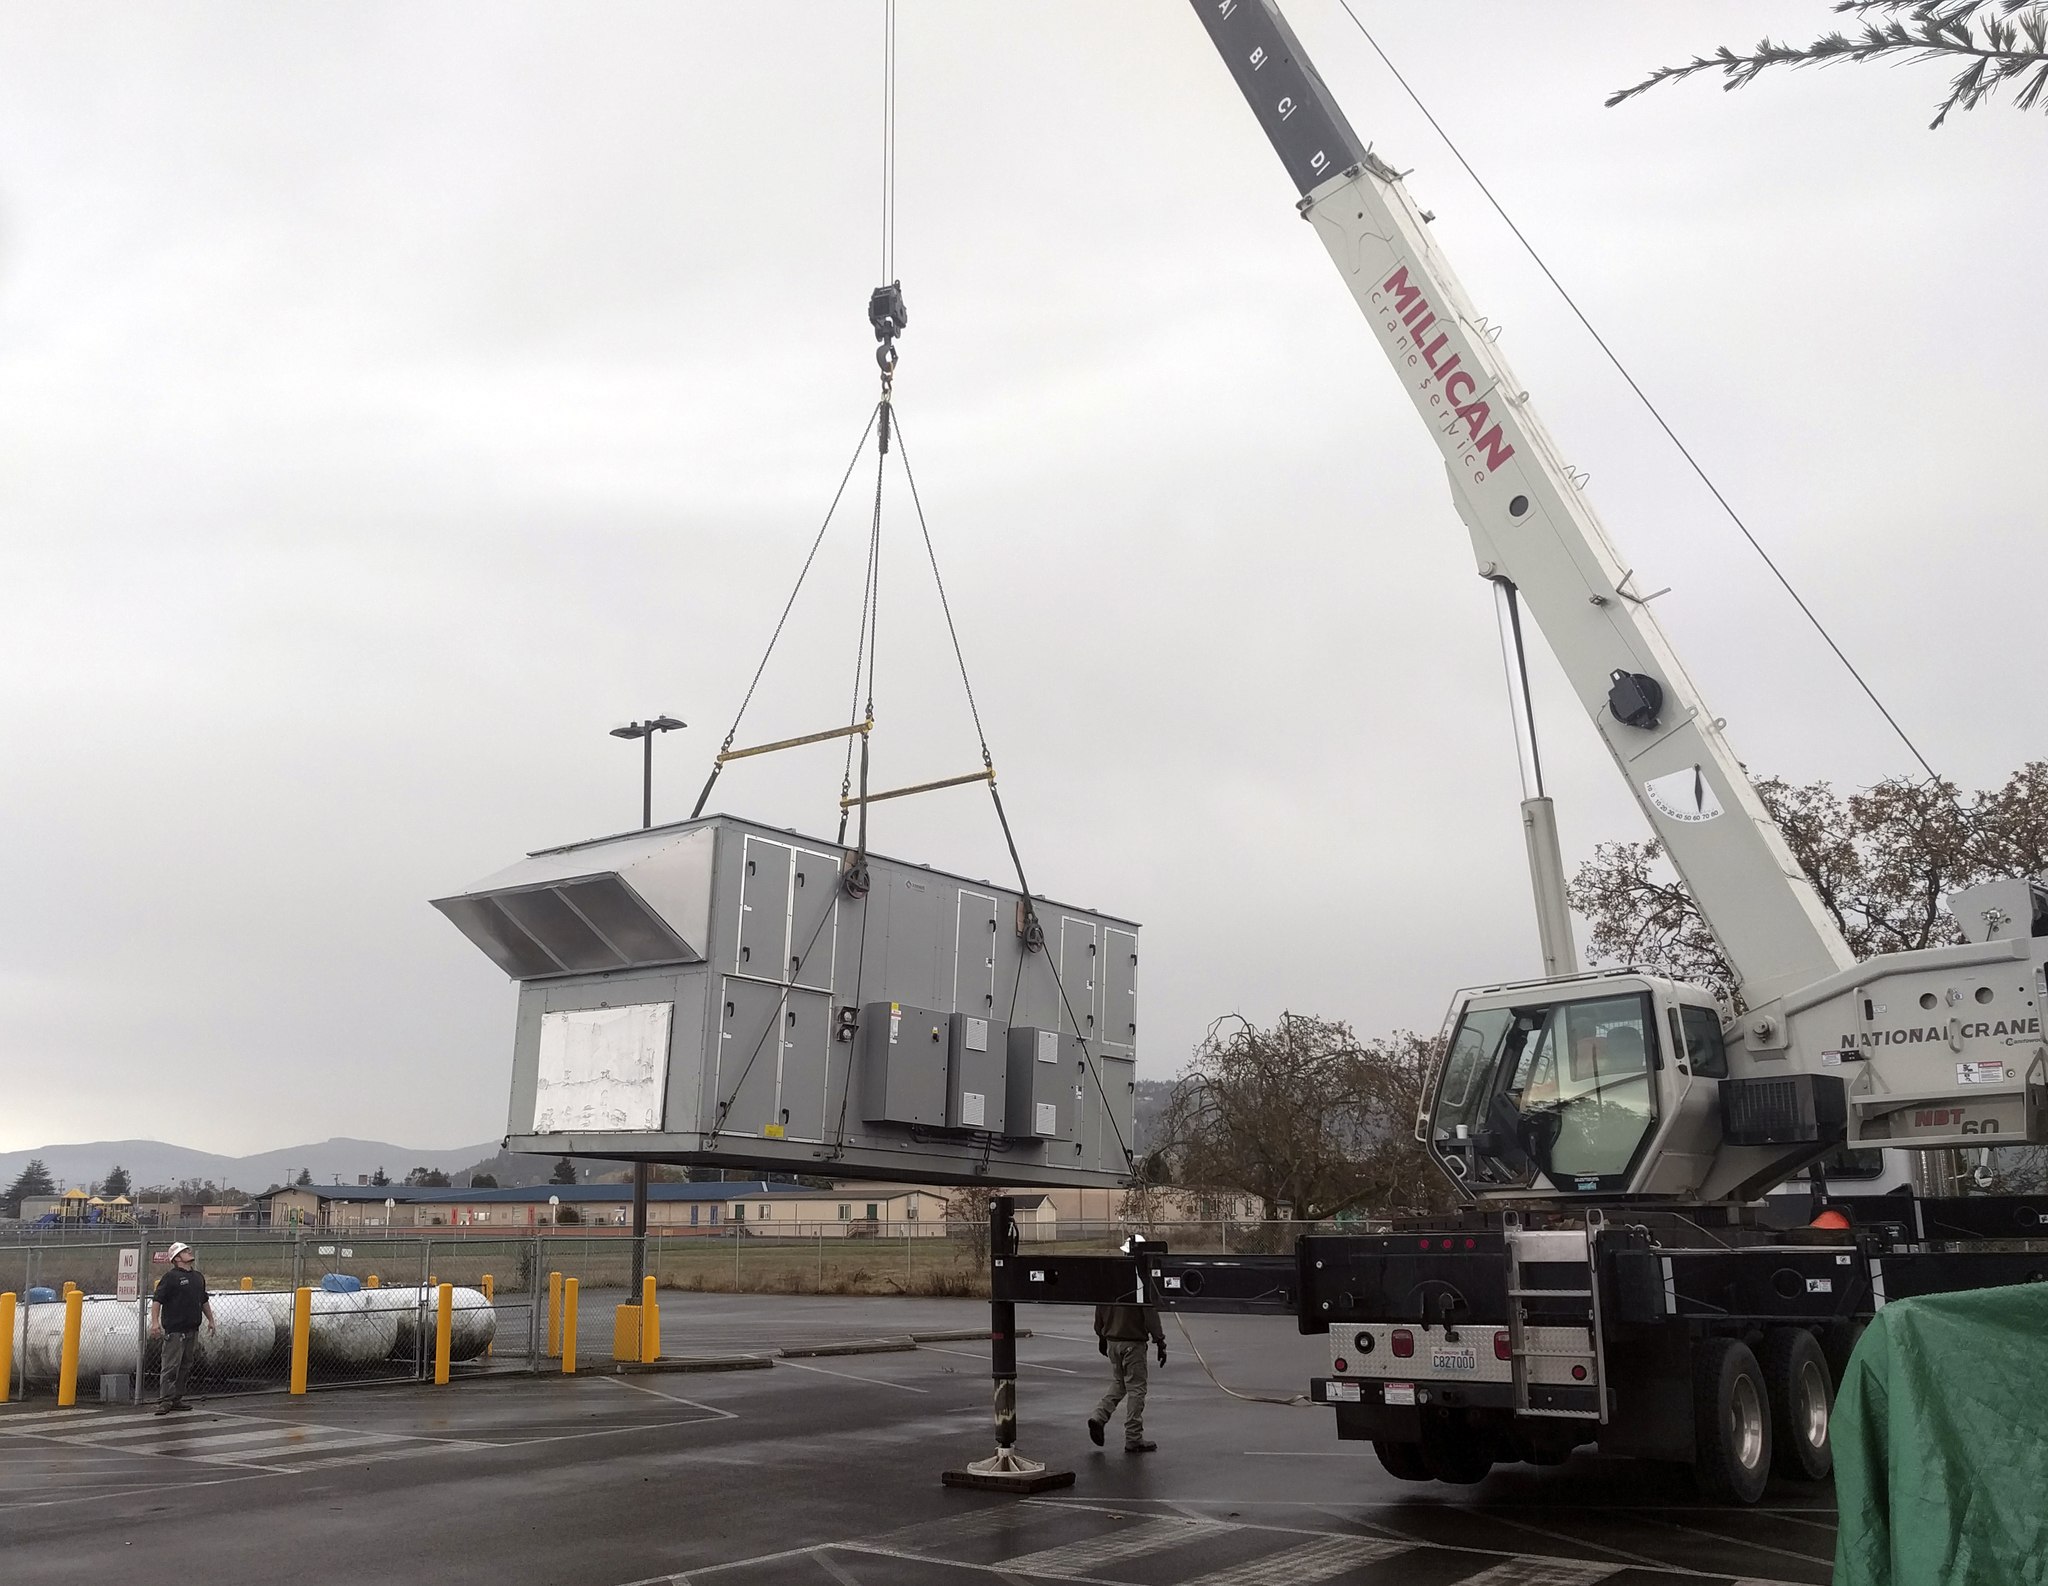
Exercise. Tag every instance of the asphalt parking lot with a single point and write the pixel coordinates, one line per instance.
(825, 1469)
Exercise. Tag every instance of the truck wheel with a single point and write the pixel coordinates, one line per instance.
(1802, 1394)
(1731, 1413)
(1403, 1461)
(1455, 1453)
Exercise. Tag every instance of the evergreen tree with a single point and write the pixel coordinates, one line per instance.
(34, 1180)
(565, 1172)
(117, 1182)
(305, 1177)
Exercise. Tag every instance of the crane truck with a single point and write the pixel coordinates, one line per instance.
(1608, 1279)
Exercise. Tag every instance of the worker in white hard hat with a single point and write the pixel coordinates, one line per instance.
(176, 1309)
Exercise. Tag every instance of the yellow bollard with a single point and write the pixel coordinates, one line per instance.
(6, 1346)
(302, 1338)
(650, 1322)
(67, 1362)
(371, 1282)
(569, 1328)
(444, 1332)
(554, 1315)
(248, 1284)
(69, 1289)
(490, 1298)
(432, 1281)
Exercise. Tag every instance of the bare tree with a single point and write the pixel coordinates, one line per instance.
(1881, 860)
(1304, 1116)
(967, 1214)
(1991, 42)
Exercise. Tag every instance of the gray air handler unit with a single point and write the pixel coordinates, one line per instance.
(715, 993)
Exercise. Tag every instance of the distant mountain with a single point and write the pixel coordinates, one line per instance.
(151, 1162)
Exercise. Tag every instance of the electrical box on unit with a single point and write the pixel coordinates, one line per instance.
(977, 1073)
(712, 993)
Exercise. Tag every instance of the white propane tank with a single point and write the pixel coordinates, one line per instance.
(238, 1343)
(349, 1329)
(473, 1320)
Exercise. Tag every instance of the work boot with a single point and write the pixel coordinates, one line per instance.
(180, 1404)
(1141, 1448)
(164, 1408)
(1095, 1432)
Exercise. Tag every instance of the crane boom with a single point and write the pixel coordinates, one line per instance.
(1531, 526)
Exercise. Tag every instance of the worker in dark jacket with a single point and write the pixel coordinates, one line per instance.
(1120, 1333)
(176, 1310)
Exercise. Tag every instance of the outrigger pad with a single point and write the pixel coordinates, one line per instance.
(1008, 1471)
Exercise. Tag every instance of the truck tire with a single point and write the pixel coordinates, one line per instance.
(1802, 1391)
(1455, 1453)
(1403, 1461)
(1731, 1417)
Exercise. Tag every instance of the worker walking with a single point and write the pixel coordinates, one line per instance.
(1121, 1332)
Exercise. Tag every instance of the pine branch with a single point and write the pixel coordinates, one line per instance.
(1996, 42)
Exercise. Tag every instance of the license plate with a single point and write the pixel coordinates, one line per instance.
(1342, 1392)
(1454, 1360)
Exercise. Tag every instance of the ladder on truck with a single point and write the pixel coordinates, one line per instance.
(1579, 1249)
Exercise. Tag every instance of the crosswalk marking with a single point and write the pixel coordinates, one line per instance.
(234, 1441)
(1315, 1560)
(1148, 1536)
(1527, 1571)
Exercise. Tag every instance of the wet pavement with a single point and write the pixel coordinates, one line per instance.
(826, 1470)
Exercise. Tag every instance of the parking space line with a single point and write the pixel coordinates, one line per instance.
(1743, 1541)
(1577, 1544)
(675, 1398)
(879, 1382)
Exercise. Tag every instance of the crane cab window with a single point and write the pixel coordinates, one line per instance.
(1563, 1089)
(1703, 1043)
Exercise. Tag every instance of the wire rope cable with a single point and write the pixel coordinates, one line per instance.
(888, 140)
(1643, 396)
(787, 606)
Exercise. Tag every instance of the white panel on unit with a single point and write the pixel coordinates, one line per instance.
(973, 1108)
(602, 1069)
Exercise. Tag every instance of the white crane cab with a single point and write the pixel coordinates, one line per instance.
(1596, 1085)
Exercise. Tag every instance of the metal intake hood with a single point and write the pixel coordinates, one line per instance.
(626, 902)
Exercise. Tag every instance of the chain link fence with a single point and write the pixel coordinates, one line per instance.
(372, 1314)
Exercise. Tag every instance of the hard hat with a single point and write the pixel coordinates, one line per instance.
(178, 1249)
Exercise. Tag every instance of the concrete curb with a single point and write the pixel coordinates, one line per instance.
(636, 1368)
(864, 1346)
(895, 1344)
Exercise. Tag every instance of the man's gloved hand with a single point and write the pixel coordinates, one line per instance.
(1162, 1351)
(1102, 1346)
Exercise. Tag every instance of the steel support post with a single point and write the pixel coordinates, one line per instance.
(1006, 1470)
(639, 1216)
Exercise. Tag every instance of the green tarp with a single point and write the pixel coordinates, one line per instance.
(1941, 1443)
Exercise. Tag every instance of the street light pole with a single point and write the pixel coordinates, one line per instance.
(644, 731)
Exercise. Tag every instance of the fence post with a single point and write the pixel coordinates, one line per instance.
(67, 1361)
(821, 1260)
(490, 1293)
(444, 1332)
(302, 1337)
(6, 1346)
(143, 1290)
(298, 1258)
(569, 1328)
(421, 1352)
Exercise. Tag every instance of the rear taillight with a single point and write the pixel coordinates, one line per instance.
(1404, 1343)
(1502, 1349)
(1341, 1363)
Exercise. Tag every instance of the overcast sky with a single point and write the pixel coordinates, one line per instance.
(396, 397)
